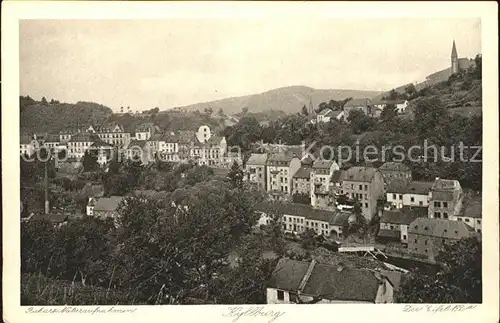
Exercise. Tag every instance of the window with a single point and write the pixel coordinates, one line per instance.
(426, 228)
(479, 230)
(420, 203)
(281, 295)
(412, 199)
(394, 196)
(445, 215)
(352, 186)
(366, 187)
(366, 205)
(307, 222)
(404, 237)
(445, 204)
(466, 220)
(415, 241)
(392, 227)
(437, 215)
(425, 242)
(400, 196)
(366, 196)
(459, 219)
(425, 250)
(437, 204)
(360, 187)
(478, 221)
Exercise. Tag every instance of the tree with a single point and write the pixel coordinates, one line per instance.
(359, 225)
(208, 111)
(389, 112)
(459, 279)
(410, 89)
(44, 100)
(89, 161)
(308, 239)
(236, 175)
(301, 198)
(304, 111)
(221, 112)
(360, 122)
(121, 109)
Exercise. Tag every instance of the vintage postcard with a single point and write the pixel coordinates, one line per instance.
(250, 161)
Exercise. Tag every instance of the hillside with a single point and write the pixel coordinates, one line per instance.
(46, 117)
(287, 99)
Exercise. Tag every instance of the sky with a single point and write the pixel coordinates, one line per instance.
(167, 63)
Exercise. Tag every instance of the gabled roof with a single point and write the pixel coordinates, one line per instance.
(358, 174)
(473, 209)
(385, 233)
(325, 281)
(336, 113)
(323, 164)
(108, 204)
(336, 176)
(281, 156)
(398, 217)
(445, 185)
(257, 159)
(395, 167)
(303, 172)
(84, 137)
(440, 228)
(357, 103)
(325, 112)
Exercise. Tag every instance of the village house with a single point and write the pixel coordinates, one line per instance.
(203, 134)
(301, 181)
(299, 282)
(399, 105)
(52, 142)
(445, 199)
(363, 105)
(326, 115)
(402, 193)
(280, 168)
(365, 184)
(255, 170)
(141, 150)
(321, 175)
(297, 218)
(79, 143)
(167, 146)
(427, 236)
(394, 171)
(146, 130)
(28, 146)
(105, 152)
(394, 225)
(471, 215)
(113, 134)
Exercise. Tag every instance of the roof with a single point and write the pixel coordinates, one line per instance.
(445, 185)
(322, 164)
(137, 143)
(25, 140)
(295, 209)
(257, 159)
(286, 156)
(380, 101)
(442, 196)
(52, 138)
(108, 203)
(357, 103)
(336, 113)
(395, 167)
(440, 228)
(473, 209)
(303, 172)
(398, 217)
(84, 137)
(157, 137)
(388, 234)
(394, 277)
(325, 112)
(325, 281)
(336, 176)
(405, 187)
(340, 219)
(358, 174)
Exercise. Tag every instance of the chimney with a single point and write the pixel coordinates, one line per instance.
(340, 266)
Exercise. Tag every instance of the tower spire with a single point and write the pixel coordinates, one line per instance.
(454, 50)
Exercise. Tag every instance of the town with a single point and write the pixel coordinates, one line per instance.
(238, 209)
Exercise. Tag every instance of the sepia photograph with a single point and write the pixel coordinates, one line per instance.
(263, 161)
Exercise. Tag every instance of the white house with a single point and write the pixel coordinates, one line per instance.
(471, 215)
(400, 105)
(402, 193)
(394, 224)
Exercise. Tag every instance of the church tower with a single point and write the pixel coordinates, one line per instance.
(454, 59)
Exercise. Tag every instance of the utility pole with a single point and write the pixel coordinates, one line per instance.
(46, 184)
